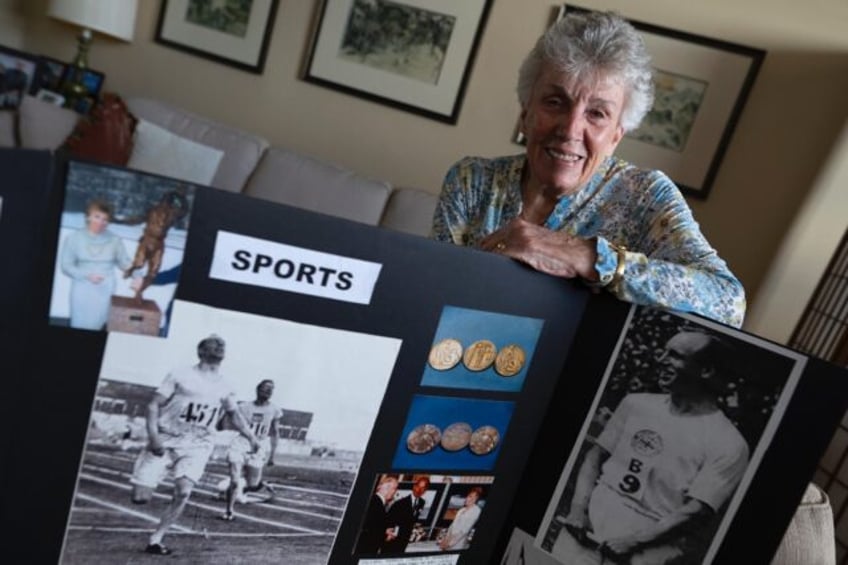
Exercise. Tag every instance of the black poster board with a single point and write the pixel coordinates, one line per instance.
(27, 178)
(271, 280)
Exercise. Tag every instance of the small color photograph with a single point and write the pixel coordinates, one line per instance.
(120, 250)
(473, 349)
(418, 512)
(449, 433)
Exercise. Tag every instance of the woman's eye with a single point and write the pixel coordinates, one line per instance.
(597, 114)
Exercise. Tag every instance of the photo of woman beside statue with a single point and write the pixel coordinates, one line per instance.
(90, 257)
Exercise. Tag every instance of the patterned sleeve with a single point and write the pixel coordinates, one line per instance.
(451, 215)
(670, 264)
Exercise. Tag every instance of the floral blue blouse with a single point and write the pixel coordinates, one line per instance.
(667, 263)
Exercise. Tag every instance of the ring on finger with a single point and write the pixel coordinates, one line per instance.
(501, 246)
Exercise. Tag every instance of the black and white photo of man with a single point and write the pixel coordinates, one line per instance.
(669, 443)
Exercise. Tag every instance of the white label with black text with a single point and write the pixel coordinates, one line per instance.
(259, 262)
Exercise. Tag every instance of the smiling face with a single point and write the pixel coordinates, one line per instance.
(571, 126)
(680, 365)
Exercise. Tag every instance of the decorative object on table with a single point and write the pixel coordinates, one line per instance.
(106, 134)
(18, 73)
(113, 18)
(233, 32)
(399, 53)
(701, 86)
(50, 96)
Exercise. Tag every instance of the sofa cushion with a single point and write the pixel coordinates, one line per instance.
(410, 210)
(157, 150)
(809, 539)
(8, 128)
(242, 150)
(298, 180)
(42, 125)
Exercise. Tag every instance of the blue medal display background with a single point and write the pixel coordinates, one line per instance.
(442, 412)
(468, 326)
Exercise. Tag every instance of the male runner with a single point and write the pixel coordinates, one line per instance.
(262, 417)
(181, 420)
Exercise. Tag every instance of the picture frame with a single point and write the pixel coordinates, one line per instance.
(53, 72)
(702, 85)
(237, 34)
(18, 76)
(365, 48)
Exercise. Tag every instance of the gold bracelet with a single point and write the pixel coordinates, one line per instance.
(621, 252)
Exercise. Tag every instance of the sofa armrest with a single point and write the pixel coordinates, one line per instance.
(298, 180)
(410, 210)
(43, 125)
(809, 539)
(242, 150)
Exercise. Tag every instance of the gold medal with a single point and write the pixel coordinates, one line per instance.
(484, 440)
(479, 355)
(456, 436)
(510, 360)
(423, 438)
(445, 354)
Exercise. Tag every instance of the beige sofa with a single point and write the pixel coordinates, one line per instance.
(251, 166)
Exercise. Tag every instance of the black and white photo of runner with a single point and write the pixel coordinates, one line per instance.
(681, 420)
(156, 473)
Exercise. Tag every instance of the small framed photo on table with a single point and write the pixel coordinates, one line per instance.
(52, 74)
(18, 73)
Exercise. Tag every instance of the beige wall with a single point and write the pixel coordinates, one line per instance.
(11, 24)
(805, 253)
(787, 132)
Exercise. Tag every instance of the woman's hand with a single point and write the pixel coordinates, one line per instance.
(94, 278)
(552, 252)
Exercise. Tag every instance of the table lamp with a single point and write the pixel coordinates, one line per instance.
(114, 18)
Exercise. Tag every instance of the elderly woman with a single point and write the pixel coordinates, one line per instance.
(90, 257)
(567, 207)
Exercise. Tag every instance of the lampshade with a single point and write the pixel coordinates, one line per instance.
(115, 18)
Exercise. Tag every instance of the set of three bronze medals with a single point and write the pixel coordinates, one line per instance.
(426, 437)
(479, 356)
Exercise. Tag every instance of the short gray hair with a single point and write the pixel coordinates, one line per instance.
(587, 44)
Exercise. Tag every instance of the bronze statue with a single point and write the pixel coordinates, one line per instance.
(151, 246)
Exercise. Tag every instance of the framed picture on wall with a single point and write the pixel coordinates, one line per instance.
(701, 86)
(233, 32)
(18, 72)
(414, 55)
